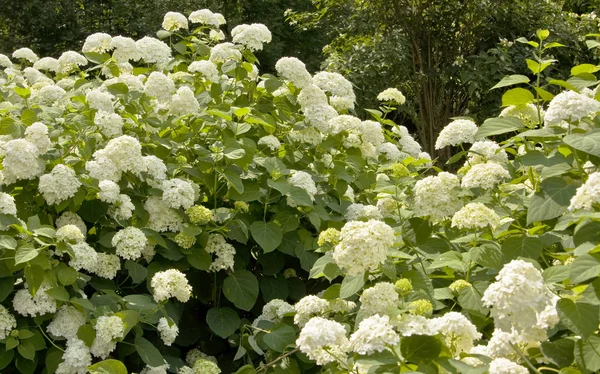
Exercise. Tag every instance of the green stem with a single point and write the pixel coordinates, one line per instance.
(48, 338)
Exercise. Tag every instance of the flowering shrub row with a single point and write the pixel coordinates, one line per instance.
(167, 208)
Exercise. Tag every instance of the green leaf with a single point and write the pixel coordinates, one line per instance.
(6, 357)
(509, 80)
(233, 177)
(25, 253)
(537, 67)
(200, 259)
(584, 68)
(274, 288)
(241, 288)
(521, 246)
(584, 268)
(587, 353)
(300, 196)
(280, 336)
(246, 369)
(470, 297)
(137, 272)
(420, 348)
(6, 287)
(87, 334)
(6, 242)
(552, 202)
(588, 143)
(58, 293)
(148, 352)
(351, 285)
(267, 234)
(500, 125)
(581, 318)
(487, 255)
(559, 352)
(26, 349)
(108, 367)
(542, 34)
(517, 96)
(23, 92)
(222, 321)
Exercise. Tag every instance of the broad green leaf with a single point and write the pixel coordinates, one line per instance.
(267, 234)
(587, 353)
(137, 271)
(241, 288)
(537, 67)
(58, 293)
(108, 367)
(246, 369)
(584, 68)
(300, 196)
(233, 177)
(318, 269)
(25, 253)
(222, 321)
(274, 288)
(148, 352)
(521, 246)
(500, 125)
(6, 287)
(585, 267)
(351, 285)
(552, 202)
(588, 143)
(517, 96)
(469, 298)
(542, 34)
(280, 336)
(420, 348)
(6, 242)
(6, 357)
(581, 318)
(26, 349)
(200, 259)
(559, 352)
(510, 80)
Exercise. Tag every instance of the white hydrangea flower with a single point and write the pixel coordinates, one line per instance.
(457, 132)
(125, 49)
(379, 299)
(390, 152)
(21, 161)
(520, 300)
(499, 344)
(170, 283)
(526, 112)
(363, 246)
(155, 167)
(570, 106)
(107, 265)
(392, 95)
(66, 322)
(223, 52)
(339, 88)
(275, 310)
(129, 243)
(487, 151)
(475, 215)
(374, 334)
(206, 17)
(76, 358)
(410, 324)
(195, 354)
(85, 257)
(357, 212)
(162, 369)
(168, 333)
(308, 307)
(486, 176)
(251, 36)
(389, 207)
(7, 322)
(311, 96)
(587, 194)
(37, 134)
(159, 86)
(70, 218)
(504, 366)
(162, 216)
(124, 152)
(319, 117)
(153, 51)
(69, 61)
(216, 35)
(97, 43)
(458, 332)
(320, 333)
(25, 54)
(40, 304)
(59, 185)
(110, 124)
(435, 196)
(270, 142)
(46, 63)
(174, 21)
(5, 62)
(293, 70)
(122, 209)
(100, 100)
(69, 233)
(103, 168)
(346, 123)
(109, 191)
(224, 252)
(178, 193)
(184, 102)
(371, 132)
(206, 68)
(108, 329)
(303, 180)
(7, 204)
(33, 76)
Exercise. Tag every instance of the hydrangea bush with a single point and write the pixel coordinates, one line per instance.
(165, 207)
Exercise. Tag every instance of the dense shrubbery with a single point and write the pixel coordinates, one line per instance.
(167, 208)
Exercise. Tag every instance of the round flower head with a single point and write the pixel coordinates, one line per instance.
(435, 196)
(392, 95)
(37, 134)
(178, 193)
(46, 63)
(125, 49)
(271, 142)
(487, 150)
(70, 218)
(7, 204)
(374, 334)
(110, 124)
(130, 242)
(319, 117)
(275, 310)
(5, 61)
(303, 180)
(69, 233)
(319, 337)
(97, 43)
(311, 96)
(206, 68)
(457, 132)
(528, 113)
(159, 86)
(60, 185)
(25, 54)
(21, 161)
(358, 212)
(505, 366)
(153, 51)
(40, 304)
(109, 191)
(458, 332)
(66, 322)
(69, 61)
(76, 358)
(570, 106)
(162, 216)
(308, 307)
(475, 215)
(379, 299)
(100, 100)
(168, 330)
(363, 246)
(108, 329)
(485, 176)
(206, 17)
(337, 86)
(588, 194)
(107, 265)
(170, 283)
(184, 102)
(251, 36)
(224, 252)
(223, 52)
(85, 257)
(174, 21)
(7, 322)
(293, 70)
